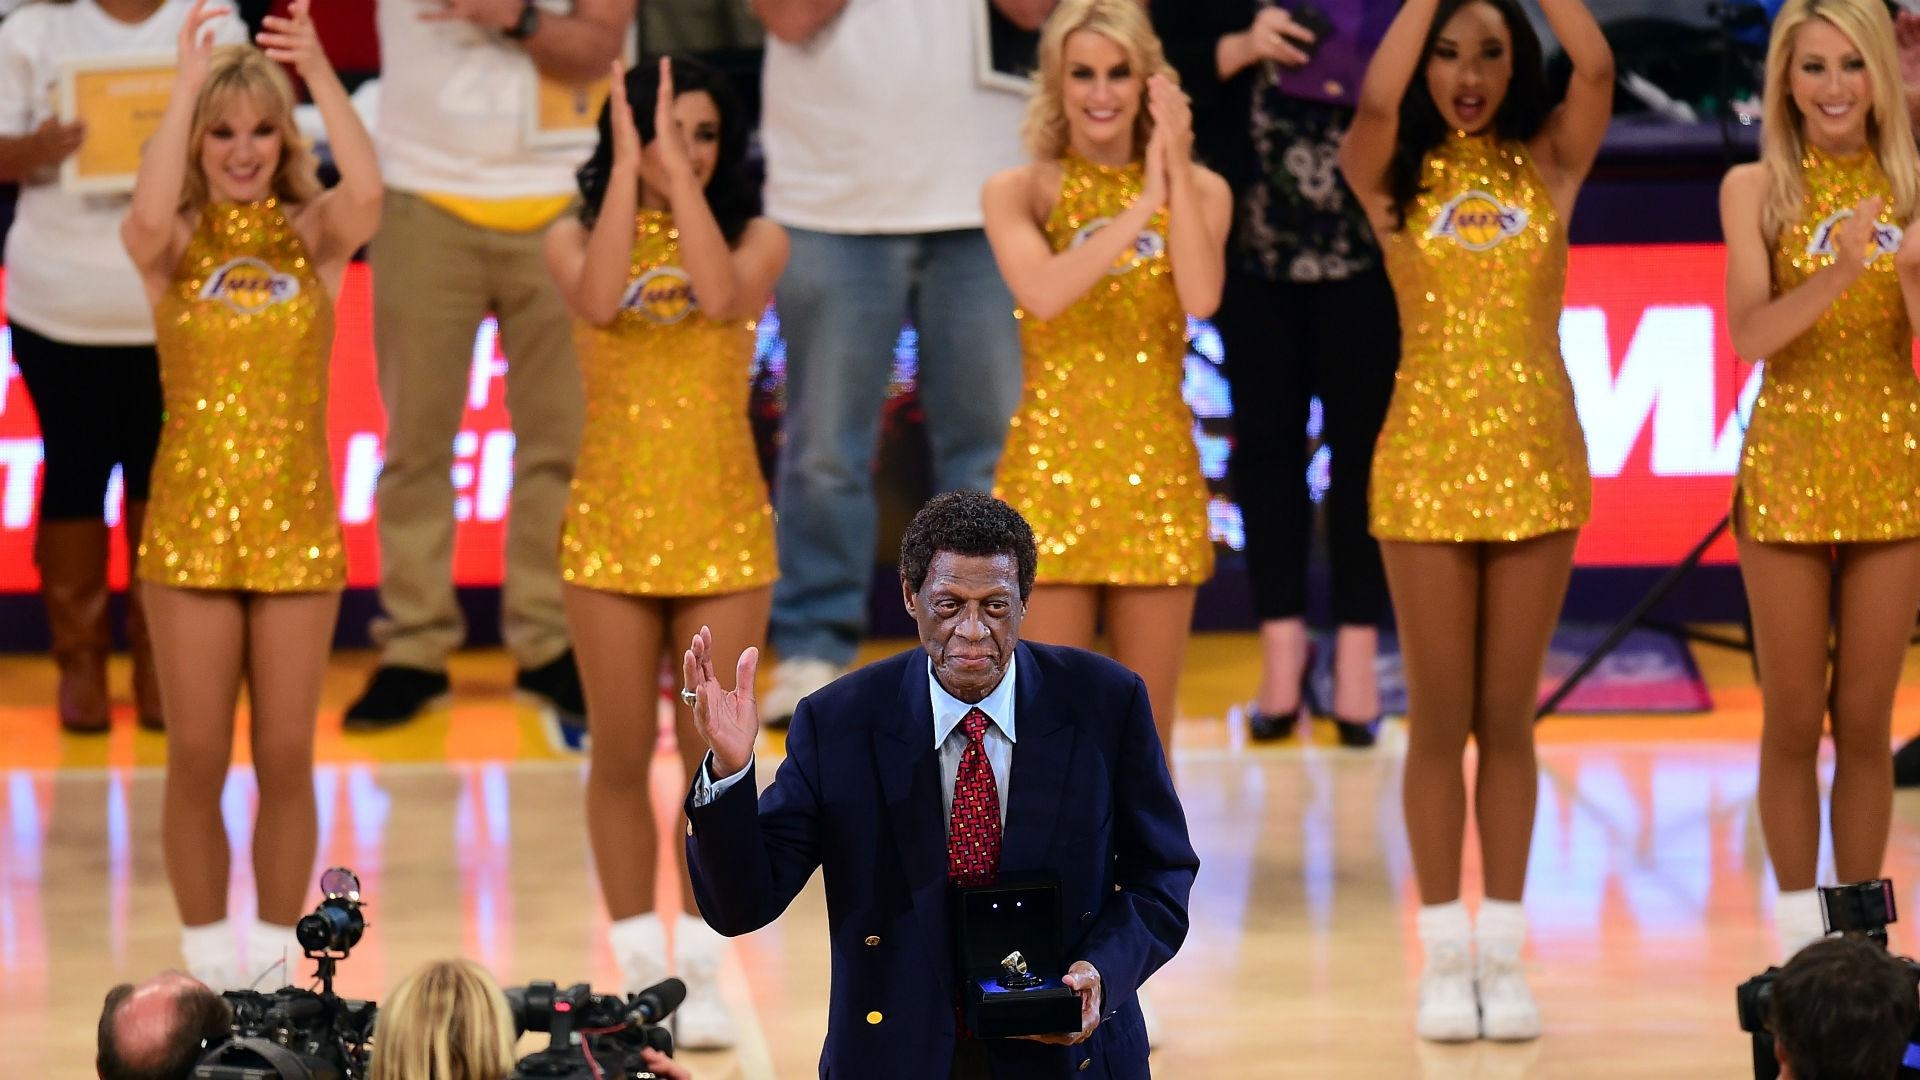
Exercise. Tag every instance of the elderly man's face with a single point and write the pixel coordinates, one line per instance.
(969, 613)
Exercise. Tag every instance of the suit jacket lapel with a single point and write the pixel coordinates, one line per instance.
(910, 781)
(1040, 758)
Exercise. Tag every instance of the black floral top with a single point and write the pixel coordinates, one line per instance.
(1298, 222)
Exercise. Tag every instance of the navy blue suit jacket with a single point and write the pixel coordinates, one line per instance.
(1090, 801)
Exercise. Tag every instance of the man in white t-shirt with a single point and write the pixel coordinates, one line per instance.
(469, 198)
(879, 134)
(82, 336)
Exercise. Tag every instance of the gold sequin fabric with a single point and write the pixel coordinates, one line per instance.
(1832, 454)
(1481, 440)
(242, 493)
(1100, 457)
(667, 497)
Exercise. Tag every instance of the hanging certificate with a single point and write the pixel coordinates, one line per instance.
(121, 99)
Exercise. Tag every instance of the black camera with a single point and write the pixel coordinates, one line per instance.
(295, 1034)
(1864, 909)
(593, 1036)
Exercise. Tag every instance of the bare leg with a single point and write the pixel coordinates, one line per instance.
(740, 619)
(617, 642)
(288, 638)
(1522, 588)
(1149, 626)
(1283, 661)
(1356, 686)
(1879, 594)
(199, 642)
(1788, 591)
(1436, 595)
(1062, 615)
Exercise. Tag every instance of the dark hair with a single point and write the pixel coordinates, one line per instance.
(1842, 1010)
(201, 1019)
(967, 523)
(1519, 117)
(731, 192)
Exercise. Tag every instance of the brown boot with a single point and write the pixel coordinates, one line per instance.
(146, 681)
(73, 582)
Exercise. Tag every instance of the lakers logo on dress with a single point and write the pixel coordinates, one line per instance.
(1477, 221)
(1146, 246)
(249, 285)
(1886, 237)
(664, 295)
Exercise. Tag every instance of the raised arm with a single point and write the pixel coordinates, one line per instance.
(1573, 132)
(573, 48)
(591, 267)
(1199, 203)
(728, 283)
(1045, 282)
(796, 21)
(151, 230)
(1368, 145)
(349, 213)
(1759, 321)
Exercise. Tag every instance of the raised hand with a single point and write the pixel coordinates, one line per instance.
(667, 154)
(292, 40)
(1853, 237)
(195, 45)
(626, 137)
(727, 719)
(1273, 35)
(1153, 188)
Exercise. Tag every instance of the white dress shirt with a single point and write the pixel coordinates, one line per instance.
(949, 739)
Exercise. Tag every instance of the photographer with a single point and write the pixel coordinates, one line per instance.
(158, 1029)
(450, 1021)
(1842, 1009)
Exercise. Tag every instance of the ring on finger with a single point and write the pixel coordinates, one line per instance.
(688, 697)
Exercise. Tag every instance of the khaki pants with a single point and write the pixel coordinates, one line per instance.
(435, 277)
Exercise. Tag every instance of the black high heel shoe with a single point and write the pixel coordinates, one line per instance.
(1272, 727)
(1355, 734)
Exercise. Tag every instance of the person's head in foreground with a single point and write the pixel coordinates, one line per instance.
(158, 1029)
(446, 1021)
(1842, 1009)
(966, 568)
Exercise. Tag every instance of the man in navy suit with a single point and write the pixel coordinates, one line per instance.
(868, 792)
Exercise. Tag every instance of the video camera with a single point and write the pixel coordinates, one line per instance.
(593, 1036)
(295, 1034)
(1864, 909)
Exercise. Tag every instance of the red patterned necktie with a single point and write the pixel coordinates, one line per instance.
(973, 833)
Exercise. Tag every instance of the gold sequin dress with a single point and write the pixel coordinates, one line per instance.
(1481, 441)
(1100, 456)
(667, 497)
(242, 494)
(1832, 454)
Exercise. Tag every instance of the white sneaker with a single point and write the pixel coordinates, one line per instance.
(1449, 1010)
(1507, 1009)
(792, 680)
(702, 1021)
(639, 947)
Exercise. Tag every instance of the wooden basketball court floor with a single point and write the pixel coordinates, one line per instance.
(1647, 893)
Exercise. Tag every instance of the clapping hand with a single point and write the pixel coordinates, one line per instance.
(666, 161)
(727, 719)
(195, 45)
(1853, 236)
(292, 40)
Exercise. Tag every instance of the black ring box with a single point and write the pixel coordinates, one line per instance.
(991, 921)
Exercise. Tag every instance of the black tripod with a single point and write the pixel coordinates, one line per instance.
(1639, 616)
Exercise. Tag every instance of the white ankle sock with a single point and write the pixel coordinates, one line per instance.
(212, 955)
(1798, 920)
(1444, 922)
(1502, 923)
(639, 945)
(273, 956)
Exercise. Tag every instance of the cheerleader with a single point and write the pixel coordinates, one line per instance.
(668, 529)
(1479, 478)
(1109, 239)
(1822, 281)
(241, 565)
